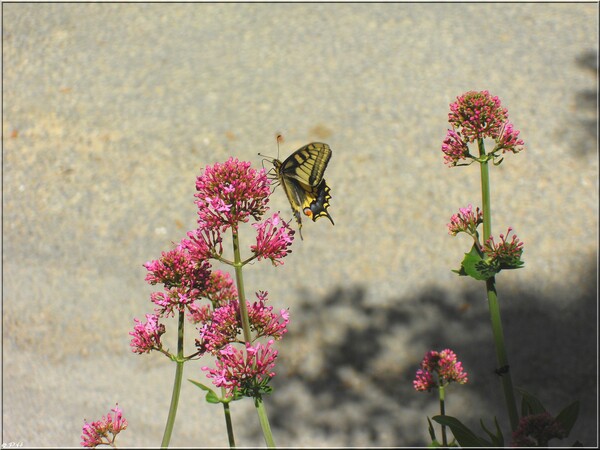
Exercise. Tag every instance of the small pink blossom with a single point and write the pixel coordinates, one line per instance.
(220, 289)
(509, 140)
(223, 325)
(424, 381)
(536, 430)
(264, 322)
(445, 365)
(229, 193)
(505, 254)
(248, 370)
(203, 243)
(478, 115)
(97, 433)
(179, 269)
(172, 300)
(273, 238)
(454, 148)
(465, 221)
(221, 328)
(146, 336)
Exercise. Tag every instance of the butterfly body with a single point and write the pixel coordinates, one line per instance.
(301, 176)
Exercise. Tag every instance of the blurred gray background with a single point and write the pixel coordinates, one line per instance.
(110, 111)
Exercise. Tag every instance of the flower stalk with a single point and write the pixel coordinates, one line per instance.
(492, 296)
(176, 384)
(239, 278)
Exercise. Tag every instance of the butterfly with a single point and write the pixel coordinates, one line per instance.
(301, 176)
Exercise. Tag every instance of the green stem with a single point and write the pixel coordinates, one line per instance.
(264, 422)
(492, 296)
(239, 278)
(176, 384)
(238, 264)
(443, 413)
(229, 424)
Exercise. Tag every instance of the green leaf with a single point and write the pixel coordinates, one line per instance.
(530, 404)
(464, 436)
(568, 416)
(431, 431)
(498, 438)
(475, 266)
(211, 396)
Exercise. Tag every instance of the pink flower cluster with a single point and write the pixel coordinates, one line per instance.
(478, 115)
(245, 370)
(474, 116)
(223, 325)
(274, 236)
(505, 254)
(230, 193)
(465, 221)
(536, 430)
(179, 268)
(509, 139)
(97, 433)
(454, 148)
(146, 336)
(445, 365)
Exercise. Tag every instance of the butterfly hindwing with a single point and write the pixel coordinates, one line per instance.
(301, 176)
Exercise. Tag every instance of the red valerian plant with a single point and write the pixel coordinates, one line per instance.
(438, 370)
(229, 327)
(476, 117)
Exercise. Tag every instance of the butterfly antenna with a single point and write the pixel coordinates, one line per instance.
(279, 138)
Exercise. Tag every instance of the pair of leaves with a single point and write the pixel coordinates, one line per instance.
(212, 397)
(475, 265)
(466, 438)
(255, 391)
(529, 405)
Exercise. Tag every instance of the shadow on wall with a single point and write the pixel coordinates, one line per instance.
(586, 107)
(352, 365)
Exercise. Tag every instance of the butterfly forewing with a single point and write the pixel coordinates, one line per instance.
(307, 164)
(301, 176)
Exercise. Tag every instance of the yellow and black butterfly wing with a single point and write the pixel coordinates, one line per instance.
(301, 176)
(307, 164)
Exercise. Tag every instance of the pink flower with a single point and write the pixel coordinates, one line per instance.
(507, 255)
(509, 140)
(465, 221)
(264, 321)
(221, 328)
(445, 365)
(248, 371)
(97, 433)
(229, 193)
(203, 243)
(179, 269)
(223, 325)
(424, 381)
(273, 238)
(478, 115)
(536, 430)
(475, 116)
(220, 289)
(454, 148)
(172, 300)
(146, 336)
(450, 369)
